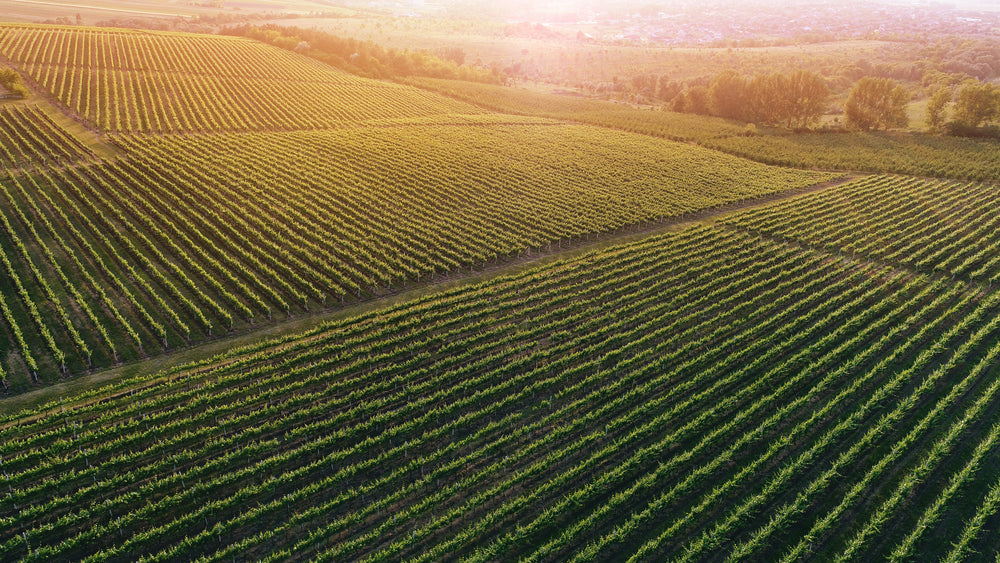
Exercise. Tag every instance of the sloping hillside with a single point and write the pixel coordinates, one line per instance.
(255, 208)
(690, 396)
(148, 82)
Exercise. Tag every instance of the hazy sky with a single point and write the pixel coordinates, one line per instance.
(597, 4)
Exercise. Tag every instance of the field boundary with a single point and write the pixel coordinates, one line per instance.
(72, 122)
(934, 275)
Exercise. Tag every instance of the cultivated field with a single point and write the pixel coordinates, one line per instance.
(156, 12)
(691, 396)
(187, 237)
(564, 59)
(880, 152)
(521, 101)
(29, 136)
(942, 228)
(128, 81)
(781, 365)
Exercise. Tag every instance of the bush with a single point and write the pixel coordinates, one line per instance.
(11, 80)
(963, 129)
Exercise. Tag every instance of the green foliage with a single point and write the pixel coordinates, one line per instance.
(728, 95)
(876, 103)
(936, 107)
(693, 100)
(796, 99)
(172, 269)
(366, 58)
(666, 124)
(976, 102)
(960, 129)
(805, 100)
(428, 429)
(898, 152)
(11, 80)
(204, 83)
(764, 98)
(871, 220)
(890, 152)
(822, 365)
(135, 241)
(28, 136)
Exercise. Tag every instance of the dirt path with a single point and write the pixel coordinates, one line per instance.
(561, 250)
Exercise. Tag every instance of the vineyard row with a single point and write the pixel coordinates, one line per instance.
(659, 400)
(124, 81)
(185, 238)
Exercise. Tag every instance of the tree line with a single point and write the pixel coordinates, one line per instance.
(971, 104)
(798, 99)
(793, 100)
(366, 58)
(963, 107)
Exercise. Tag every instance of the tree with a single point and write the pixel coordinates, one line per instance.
(793, 100)
(765, 102)
(876, 103)
(644, 86)
(976, 102)
(935, 107)
(667, 89)
(696, 100)
(452, 53)
(678, 102)
(727, 95)
(804, 98)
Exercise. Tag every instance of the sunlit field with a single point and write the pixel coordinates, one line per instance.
(287, 281)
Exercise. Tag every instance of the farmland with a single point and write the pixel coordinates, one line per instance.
(127, 240)
(188, 237)
(91, 12)
(28, 136)
(520, 101)
(560, 58)
(163, 83)
(725, 379)
(776, 364)
(943, 228)
(877, 152)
